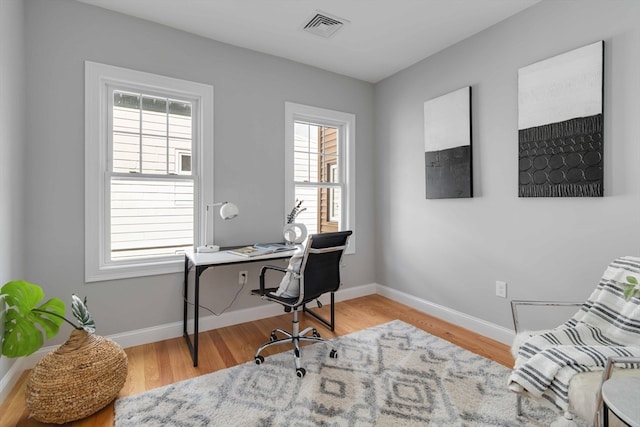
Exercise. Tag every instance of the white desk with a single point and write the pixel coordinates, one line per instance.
(200, 262)
(621, 395)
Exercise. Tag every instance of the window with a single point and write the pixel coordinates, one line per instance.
(144, 145)
(183, 162)
(320, 168)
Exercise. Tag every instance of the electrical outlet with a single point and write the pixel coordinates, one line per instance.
(501, 289)
(243, 276)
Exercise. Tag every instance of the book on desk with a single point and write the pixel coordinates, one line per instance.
(261, 249)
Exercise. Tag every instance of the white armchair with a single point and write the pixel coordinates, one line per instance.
(565, 364)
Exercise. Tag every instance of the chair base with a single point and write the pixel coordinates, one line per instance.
(294, 337)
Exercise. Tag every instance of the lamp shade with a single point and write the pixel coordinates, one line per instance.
(229, 211)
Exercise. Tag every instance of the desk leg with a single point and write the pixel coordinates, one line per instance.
(330, 324)
(196, 314)
(193, 346)
(185, 319)
(185, 292)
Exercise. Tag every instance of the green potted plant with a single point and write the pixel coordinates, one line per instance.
(75, 380)
(27, 323)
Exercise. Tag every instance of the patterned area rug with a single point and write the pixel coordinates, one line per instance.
(388, 375)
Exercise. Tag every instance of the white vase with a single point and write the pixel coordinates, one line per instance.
(294, 233)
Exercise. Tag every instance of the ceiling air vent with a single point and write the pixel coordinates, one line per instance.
(324, 25)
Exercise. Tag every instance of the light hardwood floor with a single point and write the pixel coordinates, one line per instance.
(157, 364)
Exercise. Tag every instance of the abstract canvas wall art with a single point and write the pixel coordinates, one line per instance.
(447, 145)
(560, 125)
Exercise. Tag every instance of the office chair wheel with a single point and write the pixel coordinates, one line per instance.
(333, 354)
(259, 360)
(273, 337)
(300, 372)
(315, 333)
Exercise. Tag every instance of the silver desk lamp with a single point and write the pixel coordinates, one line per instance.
(227, 211)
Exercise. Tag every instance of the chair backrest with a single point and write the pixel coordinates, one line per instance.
(320, 267)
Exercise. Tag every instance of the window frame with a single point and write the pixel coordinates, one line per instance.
(331, 195)
(100, 79)
(346, 125)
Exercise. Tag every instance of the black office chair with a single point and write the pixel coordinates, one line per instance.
(319, 274)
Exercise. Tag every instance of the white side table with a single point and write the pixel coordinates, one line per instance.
(622, 396)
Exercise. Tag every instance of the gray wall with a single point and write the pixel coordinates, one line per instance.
(12, 143)
(451, 252)
(250, 90)
(446, 251)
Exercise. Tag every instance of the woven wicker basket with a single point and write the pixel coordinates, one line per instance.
(77, 379)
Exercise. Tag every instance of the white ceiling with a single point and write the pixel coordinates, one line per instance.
(381, 38)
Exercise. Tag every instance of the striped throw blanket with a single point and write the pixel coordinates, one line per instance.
(606, 325)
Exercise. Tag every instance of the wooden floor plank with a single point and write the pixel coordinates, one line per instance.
(157, 364)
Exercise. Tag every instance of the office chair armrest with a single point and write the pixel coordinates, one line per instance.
(263, 272)
(517, 303)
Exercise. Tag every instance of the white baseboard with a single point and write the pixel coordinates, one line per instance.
(9, 380)
(482, 327)
(174, 330)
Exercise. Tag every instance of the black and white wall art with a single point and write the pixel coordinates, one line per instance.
(447, 145)
(560, 125)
